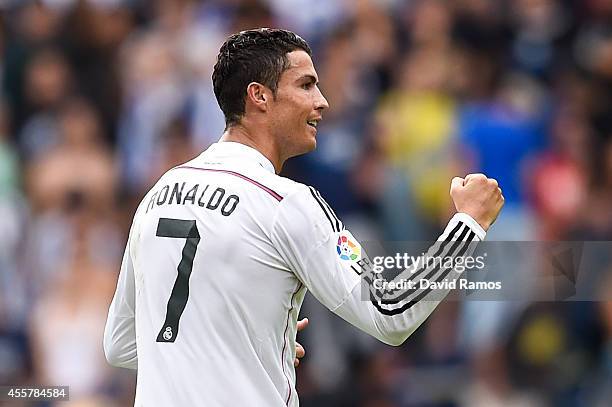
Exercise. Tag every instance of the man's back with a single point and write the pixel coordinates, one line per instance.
(218, 260)
(216, 305)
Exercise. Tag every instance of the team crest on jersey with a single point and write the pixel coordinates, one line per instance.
(168, 333)
(347, 247)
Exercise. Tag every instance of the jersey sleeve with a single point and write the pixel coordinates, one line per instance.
(332, 264)
(120, 329)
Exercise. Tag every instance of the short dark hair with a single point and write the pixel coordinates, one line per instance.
(258, 55)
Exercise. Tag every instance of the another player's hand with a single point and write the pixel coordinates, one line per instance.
(478, 196)
(299, 349)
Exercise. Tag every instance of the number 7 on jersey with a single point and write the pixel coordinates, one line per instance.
(179, 229)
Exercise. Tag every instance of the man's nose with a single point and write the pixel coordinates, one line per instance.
(321, 103)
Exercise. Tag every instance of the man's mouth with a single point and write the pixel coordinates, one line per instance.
(313, 123)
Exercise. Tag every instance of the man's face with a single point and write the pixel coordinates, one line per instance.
(296, 111)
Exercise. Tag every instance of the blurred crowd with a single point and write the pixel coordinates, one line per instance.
(100, 97)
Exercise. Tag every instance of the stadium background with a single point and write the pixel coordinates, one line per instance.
(99, 97)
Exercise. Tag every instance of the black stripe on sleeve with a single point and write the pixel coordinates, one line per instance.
(433, 274)
(324, 209)
(460, 251)
(453, 248)
(415, 300)
(441, 246)
(433, 271)
(339, 225)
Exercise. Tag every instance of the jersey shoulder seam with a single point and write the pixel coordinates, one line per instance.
(267, 189)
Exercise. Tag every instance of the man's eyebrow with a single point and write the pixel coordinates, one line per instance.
(311, 78)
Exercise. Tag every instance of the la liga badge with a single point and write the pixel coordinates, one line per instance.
(347, 247)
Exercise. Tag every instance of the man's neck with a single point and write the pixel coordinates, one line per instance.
(262, 143)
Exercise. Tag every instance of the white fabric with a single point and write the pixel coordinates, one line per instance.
(236, 339)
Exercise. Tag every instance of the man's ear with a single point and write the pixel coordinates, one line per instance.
(258, 95)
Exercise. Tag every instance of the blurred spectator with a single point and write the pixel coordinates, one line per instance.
(416, 122)
(176, 147)
(47, 83)
(14, 352)
(68, 318)
(78, 165)
(77, 173)
(166, 75)
(560, 176)
(499, 130)
(91, 37)
(595, 219)
(491, 385)
(598, 389)
(72, 189)
(30, 28)
(10, 220)
(154, 95)
(314, 17)
(553, 348)
(540, 26)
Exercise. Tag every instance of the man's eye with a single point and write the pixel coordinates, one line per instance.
(307, 85)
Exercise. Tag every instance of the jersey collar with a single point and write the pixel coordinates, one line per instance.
(241, 152)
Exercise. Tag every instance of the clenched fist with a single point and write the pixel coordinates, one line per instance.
(478, 196)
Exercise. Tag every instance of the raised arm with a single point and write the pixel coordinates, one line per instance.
(316, 246)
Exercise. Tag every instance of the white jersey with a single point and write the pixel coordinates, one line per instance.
(218, 260)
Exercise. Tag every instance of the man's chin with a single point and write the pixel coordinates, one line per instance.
(311, 146)
(308, 147)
